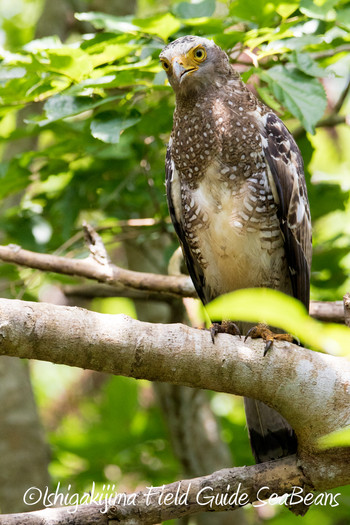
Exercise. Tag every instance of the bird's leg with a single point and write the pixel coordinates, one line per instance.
(262, 330)
(224, 327)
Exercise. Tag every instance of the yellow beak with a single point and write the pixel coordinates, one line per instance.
(183, 65)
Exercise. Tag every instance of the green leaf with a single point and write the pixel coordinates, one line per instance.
(343, 17)
(63, 106)
(109, 53)
(71, 62)
(307, 65)
(199, 9)
(109, 22)
(162, 25)
(48, 42)
(287, 8)
(277, 309)
(13, 178)
(300, 42)
(320, 9)
(303, 96)
(265, 94)
(338, 438)
(108, 126)
(326, 198)
(10, 73)
(261, 12)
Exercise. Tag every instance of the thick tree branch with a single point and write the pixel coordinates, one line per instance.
(310, 389)
(158, 504)
(127, 283)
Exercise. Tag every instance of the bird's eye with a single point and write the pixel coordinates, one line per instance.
(165, 65)
(200, 54)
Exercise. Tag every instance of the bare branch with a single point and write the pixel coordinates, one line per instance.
(347, 309)
(327, 311)
(308, 388)
(90, 269)
(328, 122)
(90, 291)
(183, 498)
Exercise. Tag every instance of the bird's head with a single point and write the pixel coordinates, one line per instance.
(192, 62)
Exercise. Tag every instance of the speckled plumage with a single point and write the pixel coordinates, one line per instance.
(235, 184)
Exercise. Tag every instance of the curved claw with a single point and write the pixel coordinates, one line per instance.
(268, 345)
(250, 331)
(226, 327)
(214, 330)
(261, 330)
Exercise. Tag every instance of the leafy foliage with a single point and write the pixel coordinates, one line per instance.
(83, 131)
(106, 104)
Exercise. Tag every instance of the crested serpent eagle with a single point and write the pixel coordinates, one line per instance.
(237, 198)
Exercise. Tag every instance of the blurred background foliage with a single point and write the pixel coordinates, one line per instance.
(84, 120)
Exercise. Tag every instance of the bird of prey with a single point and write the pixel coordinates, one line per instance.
(237, 198)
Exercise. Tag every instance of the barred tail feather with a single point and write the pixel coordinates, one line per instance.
(271, 436)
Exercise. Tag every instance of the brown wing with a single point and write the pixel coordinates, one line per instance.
(287, 170)
(194, 269)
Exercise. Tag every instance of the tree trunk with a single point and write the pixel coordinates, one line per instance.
(24, 454)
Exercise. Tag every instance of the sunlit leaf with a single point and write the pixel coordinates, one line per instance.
(203, 8)
(343, 17)
(162, 25)
(322, 10)
(109, 22)
(9, 73)
(109, 53)
(277, 309)
(71, 62)
(261, 12)
(338, 438)
(48, 42)
(287, 8)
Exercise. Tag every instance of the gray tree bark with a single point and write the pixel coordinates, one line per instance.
(24, 454)
(309, 389)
